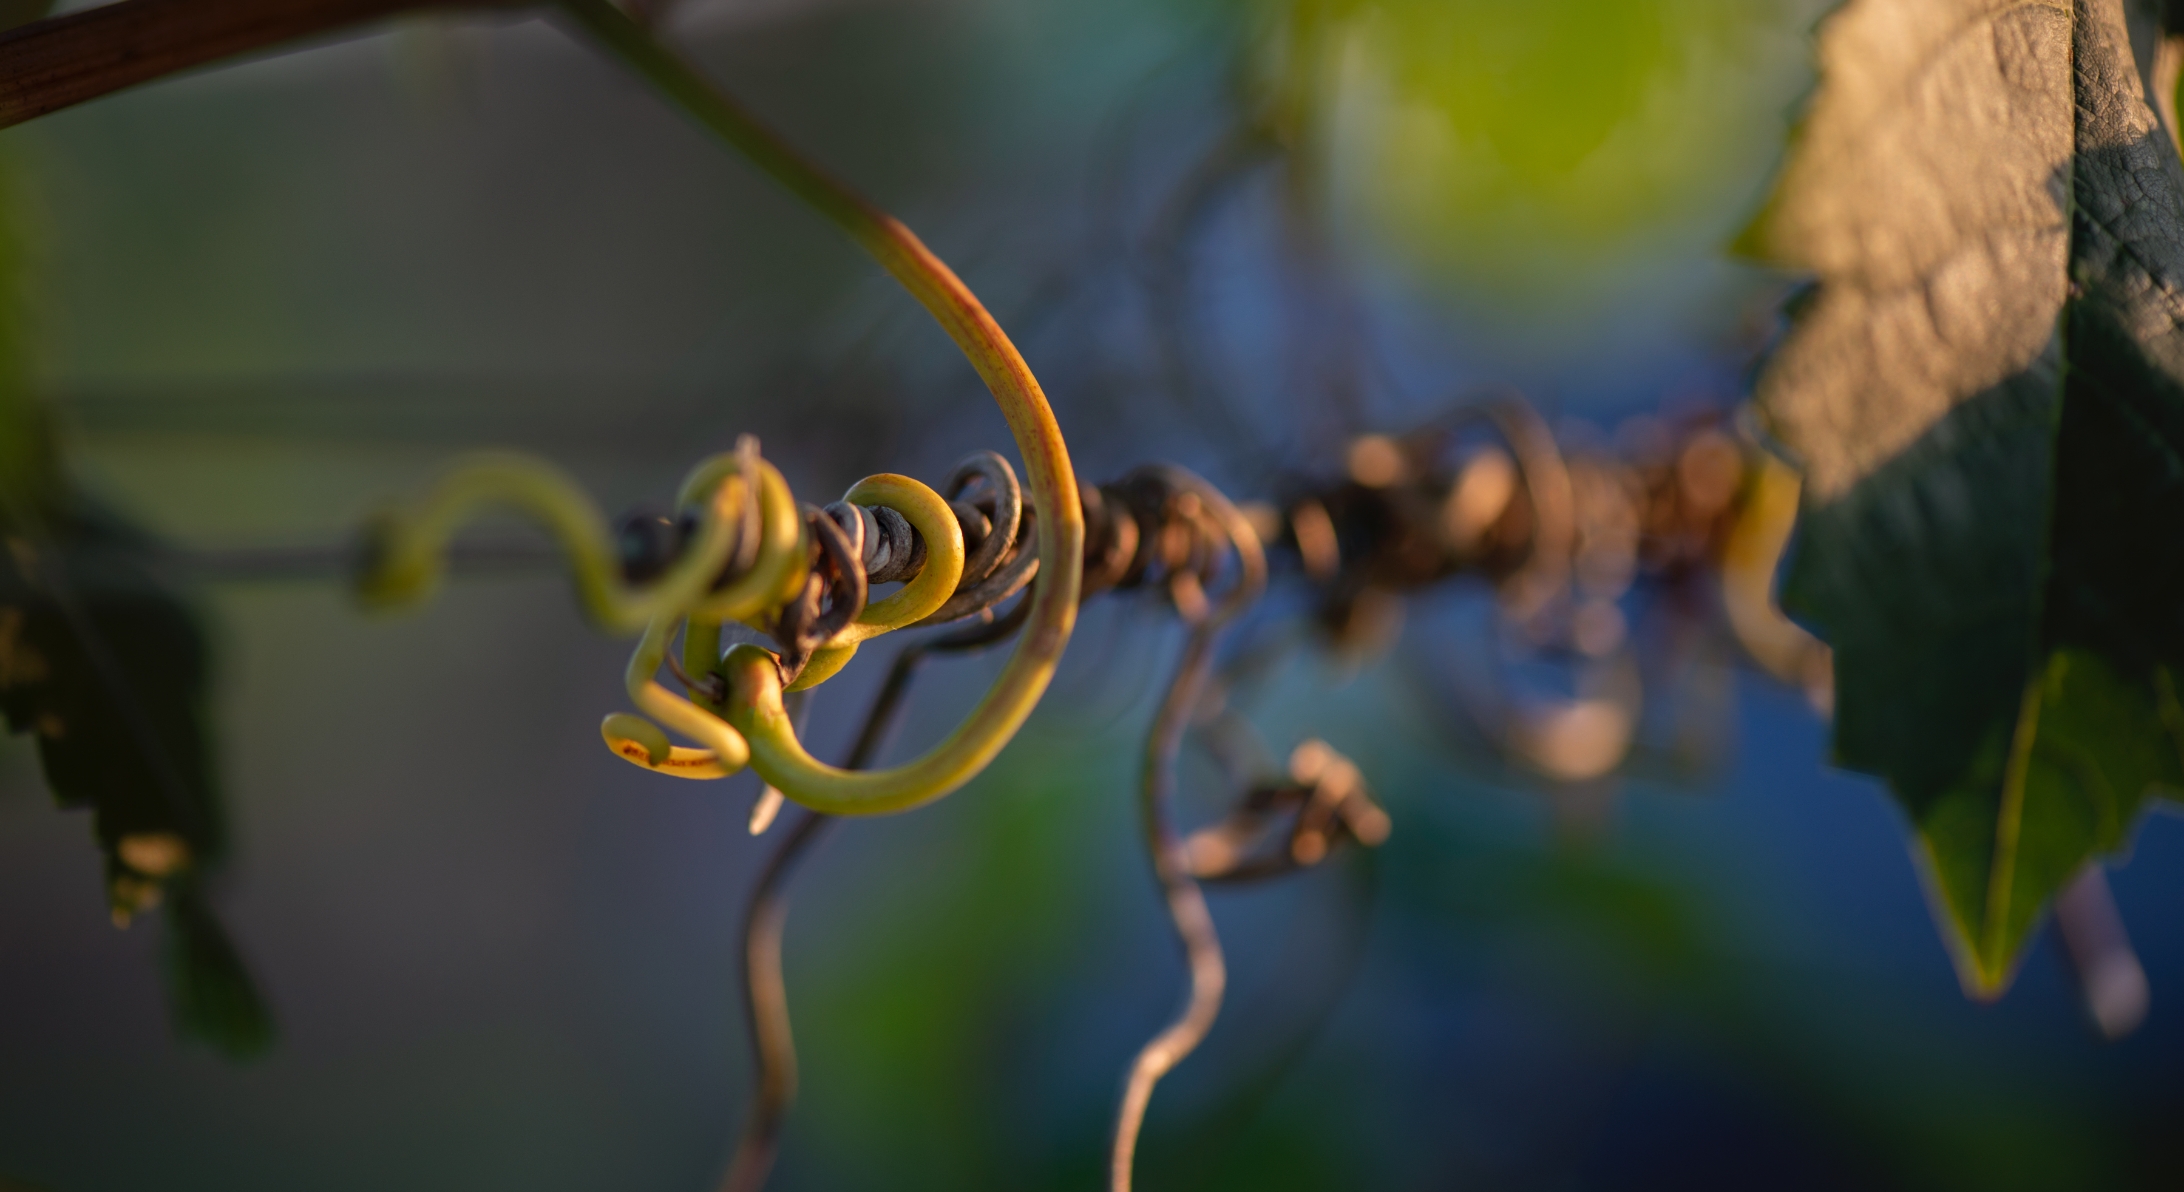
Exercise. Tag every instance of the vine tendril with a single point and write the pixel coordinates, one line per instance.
(709, 584)
(1187, 551)
(1039, 442)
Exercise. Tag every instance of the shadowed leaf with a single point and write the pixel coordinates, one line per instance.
(211, 990)
(108, 668)
(106, 664)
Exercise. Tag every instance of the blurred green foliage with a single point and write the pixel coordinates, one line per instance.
(1506, 142)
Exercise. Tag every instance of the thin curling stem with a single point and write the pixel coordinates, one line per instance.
(1156, 791)
(1038, 438)
(766, 1008)
(765, 991)
(1186, 906)
(406, 548)
(677, 711)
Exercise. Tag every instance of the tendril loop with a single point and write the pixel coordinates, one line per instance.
(738, 548)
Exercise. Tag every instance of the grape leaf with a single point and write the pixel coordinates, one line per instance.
(1985, 388)
(106, 662)
(108, 667)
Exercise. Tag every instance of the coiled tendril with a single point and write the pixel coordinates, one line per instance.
(738, 548)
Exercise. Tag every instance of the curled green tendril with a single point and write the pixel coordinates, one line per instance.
(781, 560)
(726, 742)
(727, 747)
(406, 548)
(736, 493)
(754, 707)
(934, 521)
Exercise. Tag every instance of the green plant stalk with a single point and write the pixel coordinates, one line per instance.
(775, 754)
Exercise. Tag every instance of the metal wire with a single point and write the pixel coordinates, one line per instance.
(834, 593)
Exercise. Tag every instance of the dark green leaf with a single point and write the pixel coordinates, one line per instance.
(1987, 394)
(107, 666)
(106, 663)
(213, 996)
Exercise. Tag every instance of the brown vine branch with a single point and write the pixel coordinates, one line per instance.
(63, 61)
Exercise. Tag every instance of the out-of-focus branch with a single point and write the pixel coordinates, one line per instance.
(62, 61)
(1186, 906)
(2110, 977)
(1215, 525)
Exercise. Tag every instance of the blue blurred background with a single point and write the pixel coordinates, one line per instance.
(1224, 232)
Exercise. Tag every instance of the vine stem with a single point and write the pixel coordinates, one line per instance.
(1016, 691)
(765, 989)
(766, 1009)
(62, 61)
(1186, 906)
